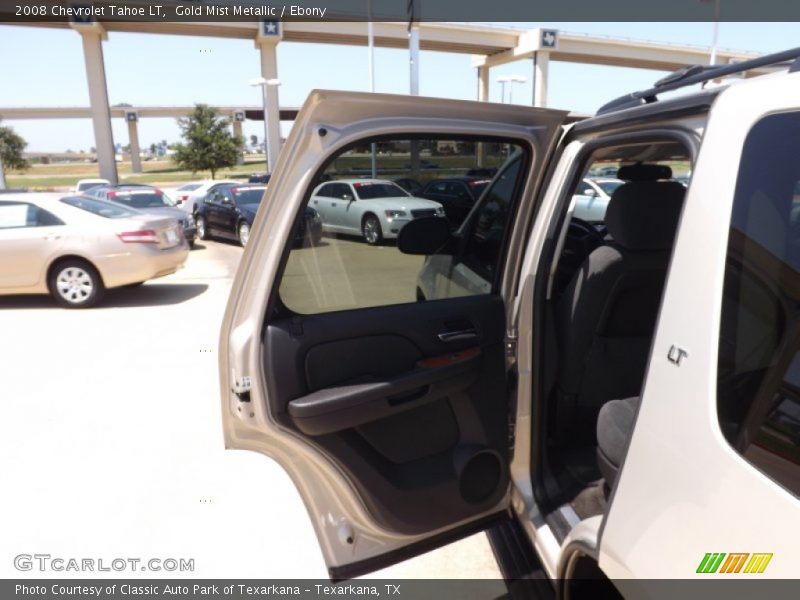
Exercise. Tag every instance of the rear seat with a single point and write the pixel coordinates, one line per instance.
(614, 429)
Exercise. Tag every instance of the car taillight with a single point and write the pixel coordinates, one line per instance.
(144, 236)
(183, 197)
(112, 194)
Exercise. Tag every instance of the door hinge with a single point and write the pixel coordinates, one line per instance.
(511, 343)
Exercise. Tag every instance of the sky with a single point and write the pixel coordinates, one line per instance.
(44, 67)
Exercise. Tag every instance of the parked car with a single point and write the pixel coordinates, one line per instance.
(375, 209)
(187, 195)
(228, 211)
(259, 178)
(637, 425)
(85, 185)
(412, 186)
(76, 247)
(147, 199)
(592, 196)
(484, 172)
(606, 171)
(457, 194)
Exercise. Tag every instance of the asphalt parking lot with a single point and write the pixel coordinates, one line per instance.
(112, 446)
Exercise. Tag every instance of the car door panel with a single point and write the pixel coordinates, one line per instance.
(391, 420)
(349, 376)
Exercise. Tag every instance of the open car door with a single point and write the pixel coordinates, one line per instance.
(385, 401)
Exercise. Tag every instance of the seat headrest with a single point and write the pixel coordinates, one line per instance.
(643, 215)
(644, 172)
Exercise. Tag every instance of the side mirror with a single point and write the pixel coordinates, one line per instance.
(425, 236)
(348, 197)
(591, 193)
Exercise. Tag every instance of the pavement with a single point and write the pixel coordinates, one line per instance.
(111, 444)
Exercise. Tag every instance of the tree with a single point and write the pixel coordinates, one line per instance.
(11, 147)
(208, 143)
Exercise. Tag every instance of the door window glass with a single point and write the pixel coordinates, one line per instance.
(344, 254)
(758, 395)
(14, 215)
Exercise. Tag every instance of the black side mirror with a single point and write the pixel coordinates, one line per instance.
(427, 235)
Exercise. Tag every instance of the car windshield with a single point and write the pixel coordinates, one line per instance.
(373, 191)
(189, 187)
(609, 186)
(248, 195)
(101, 208)
(141, 198)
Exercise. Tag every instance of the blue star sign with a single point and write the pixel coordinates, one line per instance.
(270, 27)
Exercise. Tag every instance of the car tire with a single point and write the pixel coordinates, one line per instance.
(243, 232)
(202, 230)
(371, 230)
(75, 283)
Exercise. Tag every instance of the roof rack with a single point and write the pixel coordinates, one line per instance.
(691, 74)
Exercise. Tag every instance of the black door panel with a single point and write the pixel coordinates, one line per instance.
(419, 421)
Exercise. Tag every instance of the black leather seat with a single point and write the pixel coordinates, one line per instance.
(606, 317)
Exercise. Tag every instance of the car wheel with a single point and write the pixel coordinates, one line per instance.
(200, 224)
(371, 228)
(76, 284)
(244, 233)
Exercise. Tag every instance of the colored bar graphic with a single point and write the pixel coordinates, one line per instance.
(701, 568)
(713, 562)
(717, 563)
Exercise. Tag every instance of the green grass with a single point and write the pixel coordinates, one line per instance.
(48, 177)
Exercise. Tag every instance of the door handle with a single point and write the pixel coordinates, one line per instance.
(458, 336)
(51, 236)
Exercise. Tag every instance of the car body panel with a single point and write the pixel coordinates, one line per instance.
(350, 536)
(92, 238)
(682, 490)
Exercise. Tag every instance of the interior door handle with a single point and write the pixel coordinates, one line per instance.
(458, 336)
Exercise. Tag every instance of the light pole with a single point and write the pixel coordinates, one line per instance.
(371, 67)
(714, 36)
(263, 84)
(510, 79)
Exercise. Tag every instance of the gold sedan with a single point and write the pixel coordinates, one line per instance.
(75, 247)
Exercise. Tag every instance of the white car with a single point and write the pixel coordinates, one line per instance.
(640, 423)
(592, 196)
(187, 195)
(84, 185)
(375, 209)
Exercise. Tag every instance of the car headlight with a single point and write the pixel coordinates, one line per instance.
(440, 211)
(393, 214)
(188, 222)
